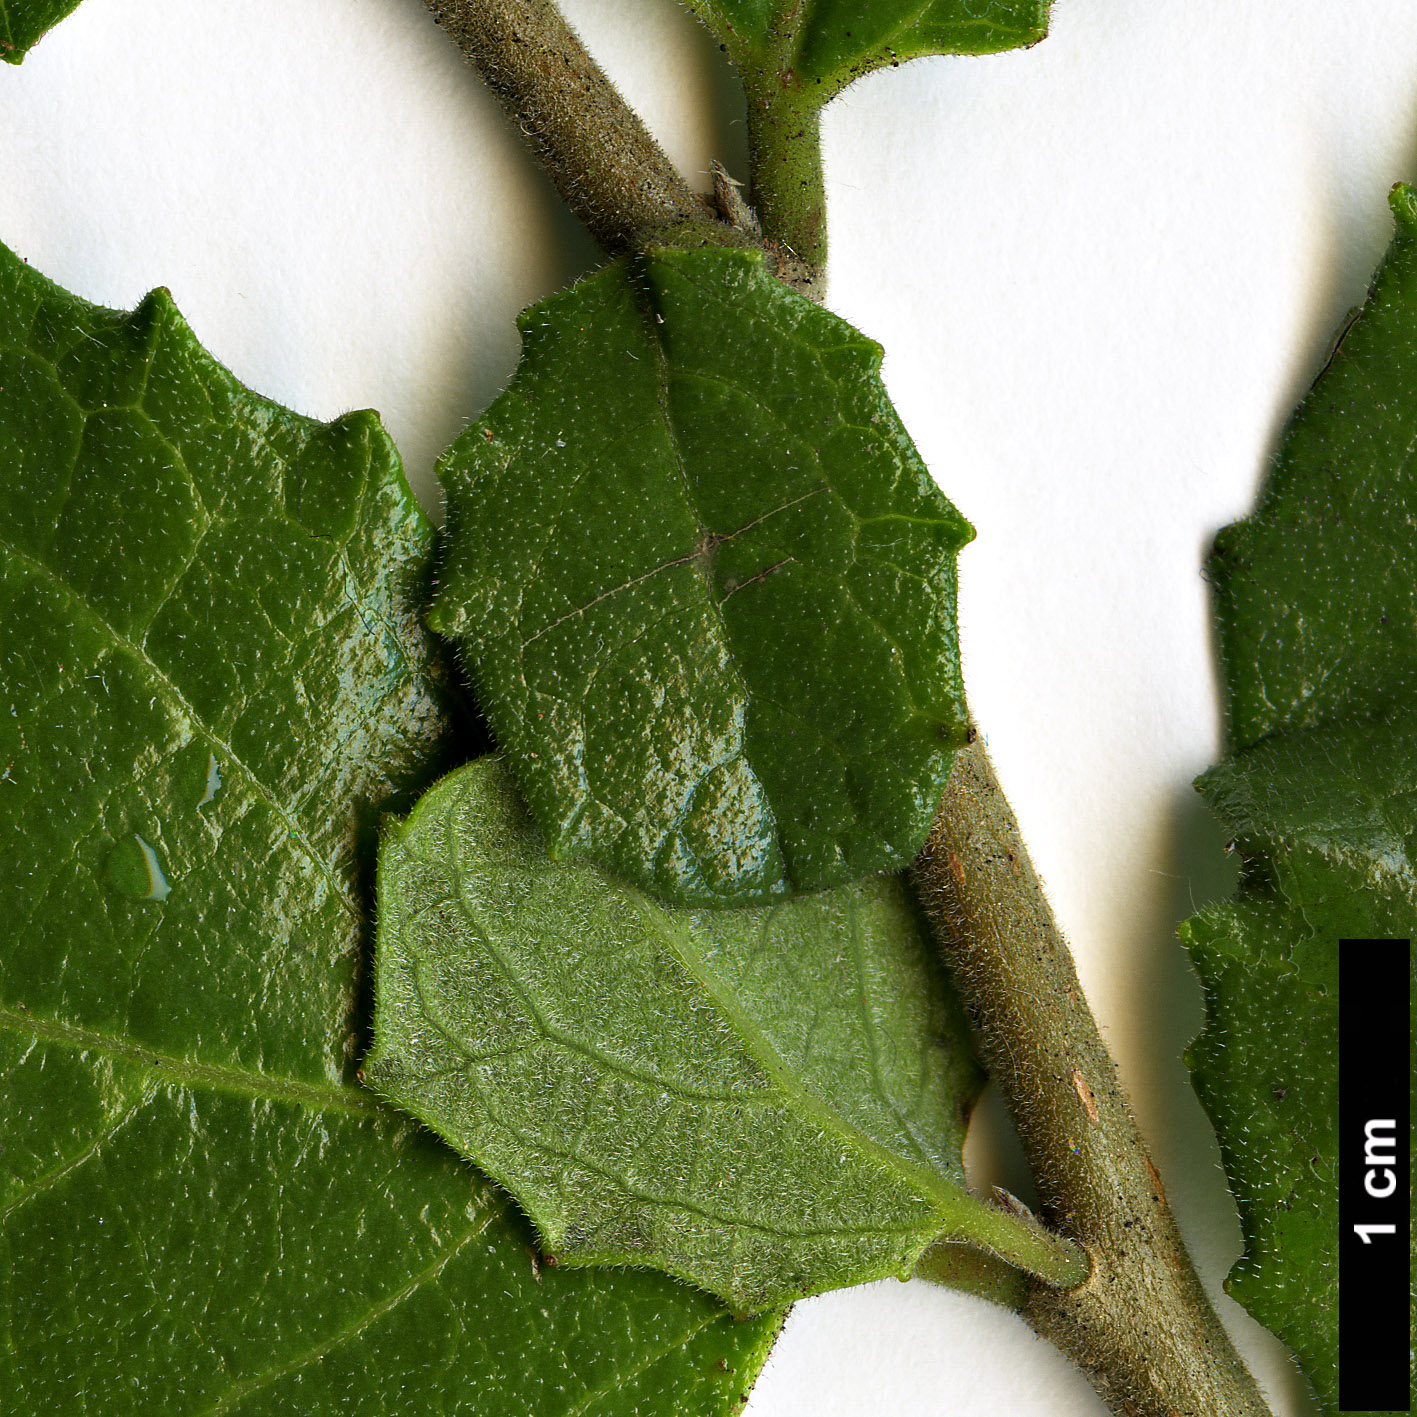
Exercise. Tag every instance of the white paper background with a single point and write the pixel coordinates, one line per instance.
(1103, 271)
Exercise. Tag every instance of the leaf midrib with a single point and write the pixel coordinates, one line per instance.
(708, 541)
(952, 1203)
(938, 1190)
(188, 1071)
(964, 1215)
(733, 1219)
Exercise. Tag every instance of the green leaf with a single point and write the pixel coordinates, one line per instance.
(213, 680)
(766, 1102)
(23, 23)
(823, 46)
(1331, 815)
(706, 587)
(1314, 591)
(794, 57)
(1315, 601)
(1326, 819)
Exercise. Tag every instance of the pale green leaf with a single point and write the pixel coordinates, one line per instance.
(766, 1102)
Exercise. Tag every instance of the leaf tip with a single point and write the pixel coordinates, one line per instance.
(1403, 201)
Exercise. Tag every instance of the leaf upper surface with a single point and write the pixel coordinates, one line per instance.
(825, 44)
(1315, 590)
(1326, 819)
(706, 586)
(1316, 602)
(23, 24)
(213, 679)
(766, 1102)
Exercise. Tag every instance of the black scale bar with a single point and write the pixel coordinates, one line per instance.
(1374, 1174)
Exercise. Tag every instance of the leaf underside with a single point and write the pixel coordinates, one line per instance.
(1316, 602)
(706, 587)
(823, 46)
(213, 681)
(765, 1102)
(24, 22)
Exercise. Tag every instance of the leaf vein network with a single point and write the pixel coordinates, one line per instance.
(178, 699)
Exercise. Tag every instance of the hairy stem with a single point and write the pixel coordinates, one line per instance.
(594, 147)
(785, 159)
(1141, 1326)
(604, 162)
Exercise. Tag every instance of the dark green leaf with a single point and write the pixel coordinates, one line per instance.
(706, 586)
(1326, 820)
(23, 23)
(213, 679)
(1316, 601)
(1315, 591)
(825, 45)
(1331, 815)
(766, 1102)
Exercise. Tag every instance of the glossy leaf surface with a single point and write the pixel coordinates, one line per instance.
(766, 1102)
(24, 22)
(1316, 603)
(706, 587)
(213, 679)
(825, 45)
